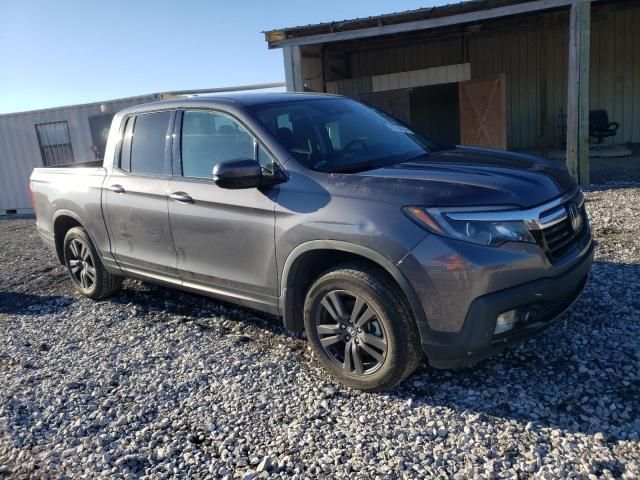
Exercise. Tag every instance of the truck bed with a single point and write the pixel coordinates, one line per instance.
(74, 190)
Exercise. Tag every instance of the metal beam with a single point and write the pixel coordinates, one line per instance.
(578, 91)
(545, 126)
(239, 88)
(477, 16)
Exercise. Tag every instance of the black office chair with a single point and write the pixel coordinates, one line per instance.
(599, 125)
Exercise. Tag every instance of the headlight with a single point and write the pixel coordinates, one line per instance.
(463, 226)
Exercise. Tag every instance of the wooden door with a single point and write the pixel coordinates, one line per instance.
(483, 119)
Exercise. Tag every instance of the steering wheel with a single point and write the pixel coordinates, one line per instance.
(352, 143)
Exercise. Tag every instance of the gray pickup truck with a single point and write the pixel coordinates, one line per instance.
(377, 242)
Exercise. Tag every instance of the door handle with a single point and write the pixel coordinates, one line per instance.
(181, 197)
(117, 188)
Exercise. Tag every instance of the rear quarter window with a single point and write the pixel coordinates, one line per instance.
(148, 144)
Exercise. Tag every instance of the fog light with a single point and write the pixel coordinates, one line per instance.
(506, 321)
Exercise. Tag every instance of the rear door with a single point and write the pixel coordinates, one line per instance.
(136, 198)
(224, 238)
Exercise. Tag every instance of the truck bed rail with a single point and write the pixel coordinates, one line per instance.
(92, 164)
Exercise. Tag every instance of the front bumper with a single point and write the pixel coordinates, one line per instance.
(462, 304)
(547, 299)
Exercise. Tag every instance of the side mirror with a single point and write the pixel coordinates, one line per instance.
(243, 173)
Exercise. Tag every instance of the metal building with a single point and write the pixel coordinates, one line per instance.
(54, 136)
(516, 74)
(63, 135)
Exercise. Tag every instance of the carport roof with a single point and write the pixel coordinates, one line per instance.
(420, 19)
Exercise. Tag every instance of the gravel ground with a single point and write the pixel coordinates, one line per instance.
(158, 383)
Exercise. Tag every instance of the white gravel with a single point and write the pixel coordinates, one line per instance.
(158, 383)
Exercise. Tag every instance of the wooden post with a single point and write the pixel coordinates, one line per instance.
(293, 68)
(578, 91)
(585, 74)
(545, 133)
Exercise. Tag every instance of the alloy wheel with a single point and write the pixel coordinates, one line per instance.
(351, 333)
(81, 264)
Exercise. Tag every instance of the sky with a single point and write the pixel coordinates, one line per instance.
(66, 52)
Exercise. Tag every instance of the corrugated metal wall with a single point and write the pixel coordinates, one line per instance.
(519, 54)
(413, 57)
(615, 74)
(615, 68)
(20, 151)
(514, 53)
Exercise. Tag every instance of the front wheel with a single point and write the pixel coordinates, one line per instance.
(360, 328)
(85, 267)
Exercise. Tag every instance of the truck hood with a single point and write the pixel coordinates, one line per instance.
(466, 176)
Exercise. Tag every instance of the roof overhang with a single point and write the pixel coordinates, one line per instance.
(286, 38)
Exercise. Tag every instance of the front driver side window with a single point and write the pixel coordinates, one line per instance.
(209, 138)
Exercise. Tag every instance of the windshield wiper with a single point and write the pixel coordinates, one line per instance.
(374, 164)
(413, 159)
(360, 167)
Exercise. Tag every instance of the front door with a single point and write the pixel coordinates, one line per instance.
(483, 118)
(136, 199)
(224, 238)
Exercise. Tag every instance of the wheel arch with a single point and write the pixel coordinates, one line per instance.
(63, 221)
(307, 261)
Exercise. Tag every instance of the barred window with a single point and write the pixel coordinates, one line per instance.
(55, 143)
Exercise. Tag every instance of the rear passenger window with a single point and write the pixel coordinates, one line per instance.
(148, 144)
(209, 138)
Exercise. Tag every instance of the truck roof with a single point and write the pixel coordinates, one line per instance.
(244, 99)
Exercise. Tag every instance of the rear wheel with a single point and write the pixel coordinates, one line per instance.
(361, 329)
(85, 267)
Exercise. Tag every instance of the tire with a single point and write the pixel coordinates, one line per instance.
(85, 269)
(374, 343)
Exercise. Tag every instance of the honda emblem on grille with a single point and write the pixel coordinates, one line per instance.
(574, 216)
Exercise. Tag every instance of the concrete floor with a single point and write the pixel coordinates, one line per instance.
(624, 169)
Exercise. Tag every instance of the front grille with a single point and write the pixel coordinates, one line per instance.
(560, 238)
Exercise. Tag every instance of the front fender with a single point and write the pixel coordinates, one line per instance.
(289, 271)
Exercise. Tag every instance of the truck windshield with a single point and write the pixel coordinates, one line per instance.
(341, 135)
